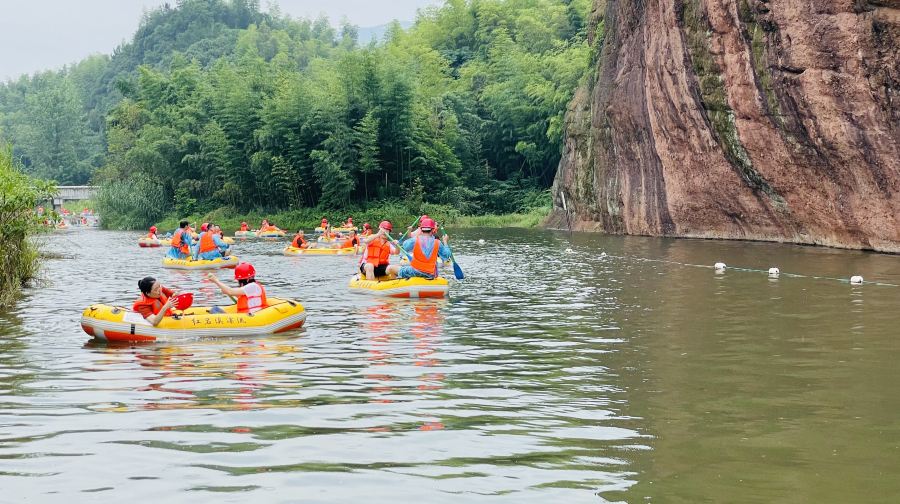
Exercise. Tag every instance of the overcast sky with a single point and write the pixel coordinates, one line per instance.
(47, 34)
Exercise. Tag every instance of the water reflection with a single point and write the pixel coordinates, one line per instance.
(626, 370)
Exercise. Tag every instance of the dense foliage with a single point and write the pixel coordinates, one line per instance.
(19, 195)
(234, 107)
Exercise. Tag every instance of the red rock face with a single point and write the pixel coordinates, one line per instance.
(747, 119)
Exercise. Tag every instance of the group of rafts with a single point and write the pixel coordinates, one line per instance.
(110, 323)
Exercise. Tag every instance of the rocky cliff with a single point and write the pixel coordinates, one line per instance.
(748, 119)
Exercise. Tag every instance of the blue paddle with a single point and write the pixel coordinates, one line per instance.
(457, 271)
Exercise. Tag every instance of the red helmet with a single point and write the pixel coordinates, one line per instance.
(204, 226)
(367, 226)
(427, 223)
(152, 229)
(386, 225)
(244, 271)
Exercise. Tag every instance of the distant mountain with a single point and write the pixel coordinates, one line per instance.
(376, 33)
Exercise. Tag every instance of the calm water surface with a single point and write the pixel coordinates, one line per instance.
(548, 376)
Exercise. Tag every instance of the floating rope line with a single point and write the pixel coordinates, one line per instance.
(748, 270)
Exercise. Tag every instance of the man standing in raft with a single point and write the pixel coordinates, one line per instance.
(181, 242)
(378, 253)
(210, 245)
(251, 296)
(155, 302)
(425, 250)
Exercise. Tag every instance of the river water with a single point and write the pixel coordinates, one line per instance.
(565, 368)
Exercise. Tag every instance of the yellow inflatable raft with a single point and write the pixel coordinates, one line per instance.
(401, 288)
(110, 323)
(320, 229)
(201, 264)
(293, 251)
(228, 240)
(270, 234)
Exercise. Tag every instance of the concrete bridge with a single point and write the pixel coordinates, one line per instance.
(73, 193)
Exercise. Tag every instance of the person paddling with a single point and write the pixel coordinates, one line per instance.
(251, 296)
(376, 261)
(152, 234)
(155, 302)
(367, 230)
(181, 242)
(424, 251)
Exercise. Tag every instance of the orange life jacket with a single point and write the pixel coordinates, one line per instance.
(299, 242)
(154, 304)
(366, 232)
(378, 252)
(244, 301)
(207, 244)
(178, 242)
(151, 236)
(423, 263)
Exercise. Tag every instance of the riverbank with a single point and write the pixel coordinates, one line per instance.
(19, 255)
(309, 218)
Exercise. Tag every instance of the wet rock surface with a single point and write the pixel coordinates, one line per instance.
(745, 119)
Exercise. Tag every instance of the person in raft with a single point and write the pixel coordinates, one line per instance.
(210, 246)
(181, 242)
(378, 253)
(251, 296)
(155, 302)
(324, 223)
(367, 230)
(352, 240)
(152, 234)
(424, 250)
(299, 240)
(244, 227)
(349, 223)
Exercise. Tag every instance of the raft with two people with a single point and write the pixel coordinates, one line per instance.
(162, 315)
(405, 281)
(110, 323)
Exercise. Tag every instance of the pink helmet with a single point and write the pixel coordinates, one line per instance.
(427, 224)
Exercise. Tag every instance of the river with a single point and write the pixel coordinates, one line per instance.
(565, 368)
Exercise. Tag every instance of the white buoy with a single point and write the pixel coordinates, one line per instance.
(774, 272)
(602, 255)
(569, 251)
(720, 267)
(481, 241)
(856, 280)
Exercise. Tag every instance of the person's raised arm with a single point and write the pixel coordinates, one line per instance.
(228, 291)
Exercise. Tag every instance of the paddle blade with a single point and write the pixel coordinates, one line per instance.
(457, 271)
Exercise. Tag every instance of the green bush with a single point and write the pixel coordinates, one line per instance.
(19, 195)
(133, 203)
